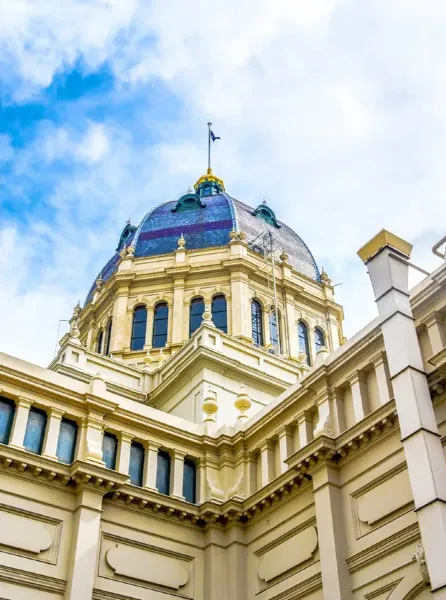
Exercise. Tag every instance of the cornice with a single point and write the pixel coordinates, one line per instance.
(32, 580)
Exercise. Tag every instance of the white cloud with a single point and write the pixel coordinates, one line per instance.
(333, 110)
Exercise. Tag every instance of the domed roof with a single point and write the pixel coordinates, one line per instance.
(205, 221)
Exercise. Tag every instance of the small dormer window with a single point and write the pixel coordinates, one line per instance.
(264, 212)
(188, 202)
(125, 235)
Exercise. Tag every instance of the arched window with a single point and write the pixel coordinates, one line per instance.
(219, 313)
(319, 339)
(160, 322)
(257, 323)
(7, 410)
(66, 444)
(136, 465)
(190, 481)
(100, 341)
(109, 450)
(108, 332)
(303, 339)
(35, 430)
(196, 314)
(139, 328)
(274, 330)
(163, 472)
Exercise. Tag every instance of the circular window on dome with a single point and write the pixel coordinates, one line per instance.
(188, 202)
(264, 212)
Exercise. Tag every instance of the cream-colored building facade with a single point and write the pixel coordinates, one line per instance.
(206, 431)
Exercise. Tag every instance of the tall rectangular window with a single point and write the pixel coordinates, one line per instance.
(109, 450)
(190, 481)
(136, 466)
(163, 472)
(66, 444)
(35, 430)
(160, 323)
(7, 410)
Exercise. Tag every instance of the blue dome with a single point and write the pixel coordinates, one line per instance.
(205, 222)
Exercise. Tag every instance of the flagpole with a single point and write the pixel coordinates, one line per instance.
(209, 146)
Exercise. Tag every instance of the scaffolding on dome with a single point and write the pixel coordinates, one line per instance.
(263, 244)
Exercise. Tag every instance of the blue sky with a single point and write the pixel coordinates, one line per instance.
(334, 111)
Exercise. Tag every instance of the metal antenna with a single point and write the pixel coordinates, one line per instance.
(209, 145)
(58, 332)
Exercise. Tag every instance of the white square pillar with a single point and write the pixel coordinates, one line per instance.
(52, 433)
(177, 474)
(361, 406)
(20, 420)
(266, 462)
(150, 465)
(123, 458)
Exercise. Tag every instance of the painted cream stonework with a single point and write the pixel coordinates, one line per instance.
(313, 496)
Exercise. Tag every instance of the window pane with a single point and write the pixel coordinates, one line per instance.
(100, 340)
(109, 448)
(163, 473)
(303, 340)
(108, 338)
(190, 481)
(160, 324)
(219, 313)
(319, 338)
(139, 328)
(66, 444)
(160, 327)
(257, 323)
(136, 465)
(273, 328)
(7, 410)
(162, 311)
(196, 314)
(35, 430)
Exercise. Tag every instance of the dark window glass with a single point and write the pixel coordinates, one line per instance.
(35, 430)
(160, 322)
(303, 339)
(319, 339)
(163, 473)
(136, 465)
(108, 337)
(100, 341)
(7, 410)
(109, 450)
(219, 313)
(257, 323)
(273, 329)
(66, 444)
(139, 328)
(190, 481)
(196, 314)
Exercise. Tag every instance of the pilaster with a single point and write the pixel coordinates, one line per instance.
(285, 447)
(20, 420)
(177, 474)
(123, 458)
(435, 325)
(382, 379)
(359, 396)
(387, 257)
(331, 533)
(266, 462)
(178, 321)
(149, 327)
(240, 305)
(150, 465)
(52, 433)
(119, 334)
(305, 425)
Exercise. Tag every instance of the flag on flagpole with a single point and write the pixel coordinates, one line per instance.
(213, 136)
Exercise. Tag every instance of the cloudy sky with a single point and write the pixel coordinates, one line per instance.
(335, 111)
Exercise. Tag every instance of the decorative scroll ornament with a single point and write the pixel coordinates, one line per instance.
(420, 557)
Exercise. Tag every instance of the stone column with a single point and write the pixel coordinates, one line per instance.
(176, 474)
(386, 257)
(84, 545)
(21, 419)
(240, 306)
(285, 448)
(324, 425)
(359, 396)
(236, 556)
(382, 379)
(119, 334)
(436, 331)
(267, 462)
(150, 466)
(331, 534)
(149, 327)
(52, 433)
(91, 439)
(123, 458)
(178, 321)
(305, 426)
(290, 316)
(215, 569)
(338, 411)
